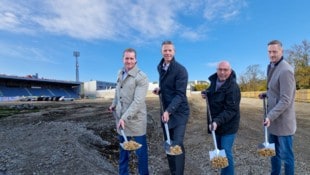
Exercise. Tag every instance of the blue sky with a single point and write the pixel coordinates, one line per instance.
(39, 36)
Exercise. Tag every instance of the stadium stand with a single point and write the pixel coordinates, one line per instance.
(13, 87)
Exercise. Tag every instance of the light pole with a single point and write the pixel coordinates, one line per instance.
(76, 54)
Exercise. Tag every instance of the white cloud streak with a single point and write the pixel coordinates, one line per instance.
(223, 9)
(23, 53)
(114, 20)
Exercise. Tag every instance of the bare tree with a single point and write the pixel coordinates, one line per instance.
(298, 57)
(253, 79)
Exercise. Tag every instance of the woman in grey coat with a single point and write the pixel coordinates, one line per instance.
(130, 107)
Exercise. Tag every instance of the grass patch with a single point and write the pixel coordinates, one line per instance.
(6, 112)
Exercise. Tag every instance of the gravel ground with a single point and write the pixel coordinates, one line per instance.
(79, 138)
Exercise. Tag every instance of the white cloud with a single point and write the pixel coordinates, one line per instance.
(13, 17)
(223, 9)
(115, 20)
(212, 64)
(23, 53)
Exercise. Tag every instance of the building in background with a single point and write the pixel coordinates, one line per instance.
(97, 89)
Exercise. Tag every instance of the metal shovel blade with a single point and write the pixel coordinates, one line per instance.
(125, 140)
(266, 145)
(266, 149)
(136, 148)
(168, 144)
(216, 153)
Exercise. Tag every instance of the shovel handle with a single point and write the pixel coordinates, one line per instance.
(214, 140)
(265, 116)
(167, 132)
(210, 119)
(123, 134)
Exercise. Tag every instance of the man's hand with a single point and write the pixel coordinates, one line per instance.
(111, 108)
(165, 117)
(267, 122)
(214, 126)
(203, 94)
(262, 95)
(121, 123)
(156, 91)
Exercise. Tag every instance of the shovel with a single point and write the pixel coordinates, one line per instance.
(124, 136)
(266, 148)
(216, 152)
(168, 142)
(169, 148)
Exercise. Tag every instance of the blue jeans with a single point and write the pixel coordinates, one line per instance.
(141, 154)
(284, 151)
(226, 142)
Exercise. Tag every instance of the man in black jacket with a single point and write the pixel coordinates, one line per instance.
(224, 100)
(173, 79)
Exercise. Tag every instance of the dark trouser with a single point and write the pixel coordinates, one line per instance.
(141, 154)
(176, 163)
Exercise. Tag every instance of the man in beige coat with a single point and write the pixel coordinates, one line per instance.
(130, 107)
(281, 118)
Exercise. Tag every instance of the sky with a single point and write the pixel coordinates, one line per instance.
(40, 36)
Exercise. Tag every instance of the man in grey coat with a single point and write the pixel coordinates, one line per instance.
(130, 107)
(281, 118)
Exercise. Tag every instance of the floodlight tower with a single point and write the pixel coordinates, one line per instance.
(76, 54)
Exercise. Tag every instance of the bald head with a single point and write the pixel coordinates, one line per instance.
(223, 70)
(223, 64)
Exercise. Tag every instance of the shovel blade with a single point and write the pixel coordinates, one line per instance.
(270, 146)
(216, 153)
(133, 149)
(266, 149)
(168, 146)
(266, 145)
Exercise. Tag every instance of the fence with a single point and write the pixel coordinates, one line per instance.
(301, 95)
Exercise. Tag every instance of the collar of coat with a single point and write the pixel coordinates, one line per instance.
(160, 65)
(275, 64)
(132, 72)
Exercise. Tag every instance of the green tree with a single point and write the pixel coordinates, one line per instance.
(201, 87)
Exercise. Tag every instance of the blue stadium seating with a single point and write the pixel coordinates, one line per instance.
(18, 91)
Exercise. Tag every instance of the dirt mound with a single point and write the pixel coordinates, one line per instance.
(79, 138)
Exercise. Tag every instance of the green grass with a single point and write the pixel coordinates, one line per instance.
(6, 112)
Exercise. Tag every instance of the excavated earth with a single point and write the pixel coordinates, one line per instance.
(79, 138)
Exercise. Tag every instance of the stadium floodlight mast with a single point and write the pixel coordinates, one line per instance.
(76, 54)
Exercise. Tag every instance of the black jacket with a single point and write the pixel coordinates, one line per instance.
(173, 84)
(224, 104)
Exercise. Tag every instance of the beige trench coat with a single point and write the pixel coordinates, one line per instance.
(129, 101)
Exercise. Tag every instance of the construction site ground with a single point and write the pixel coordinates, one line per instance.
(79, 138)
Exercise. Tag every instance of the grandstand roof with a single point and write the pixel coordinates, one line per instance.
(34, 79)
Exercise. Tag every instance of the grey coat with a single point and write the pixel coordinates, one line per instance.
(281, 94)
(129, 101)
